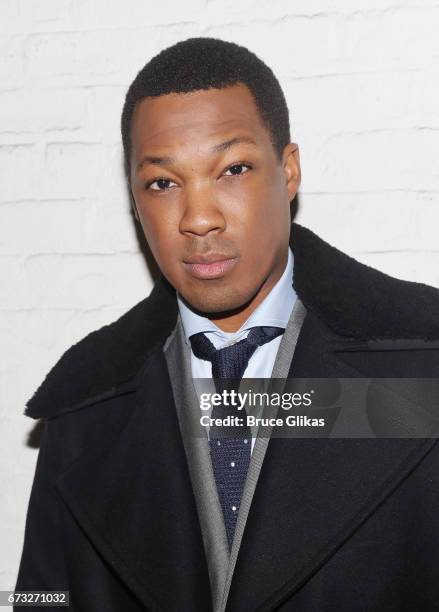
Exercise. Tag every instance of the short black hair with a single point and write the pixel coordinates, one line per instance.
(204, 63)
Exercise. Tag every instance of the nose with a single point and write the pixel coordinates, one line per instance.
(202, 213)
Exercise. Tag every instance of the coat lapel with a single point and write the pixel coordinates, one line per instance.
(134, 499)
(312, 493)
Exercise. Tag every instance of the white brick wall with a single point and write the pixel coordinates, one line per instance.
(362, 82)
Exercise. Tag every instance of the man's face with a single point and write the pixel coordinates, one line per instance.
(212, 196)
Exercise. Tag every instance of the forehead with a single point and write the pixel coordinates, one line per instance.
(174, 119)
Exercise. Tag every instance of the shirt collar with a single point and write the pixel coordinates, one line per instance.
(274, 310)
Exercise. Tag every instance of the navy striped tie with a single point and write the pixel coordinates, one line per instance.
(230, 449)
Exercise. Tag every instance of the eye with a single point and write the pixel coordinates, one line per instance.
(160, 184)
(237, 169)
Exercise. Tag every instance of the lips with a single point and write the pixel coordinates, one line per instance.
(211, 265)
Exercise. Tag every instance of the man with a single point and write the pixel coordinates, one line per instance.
(128, 510)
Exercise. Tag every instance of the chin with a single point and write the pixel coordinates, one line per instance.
(217, 301)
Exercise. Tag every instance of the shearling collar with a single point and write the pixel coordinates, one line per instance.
(354, 300)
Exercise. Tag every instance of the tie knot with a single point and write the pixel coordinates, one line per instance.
(202, 347)
(231, 361)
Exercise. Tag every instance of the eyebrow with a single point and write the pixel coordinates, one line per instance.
(222, 146)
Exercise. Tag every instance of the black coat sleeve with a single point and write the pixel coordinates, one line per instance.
(42, 566)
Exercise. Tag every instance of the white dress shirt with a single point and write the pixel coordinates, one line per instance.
(274, 310)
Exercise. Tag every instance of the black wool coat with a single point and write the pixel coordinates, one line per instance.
(335, 524)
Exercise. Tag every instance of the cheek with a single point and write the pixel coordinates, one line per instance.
(263, 224)
(262, 208)
(159, 228)
(243, 201)
(275, 205)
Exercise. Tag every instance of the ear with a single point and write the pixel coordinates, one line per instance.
(291, 167)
